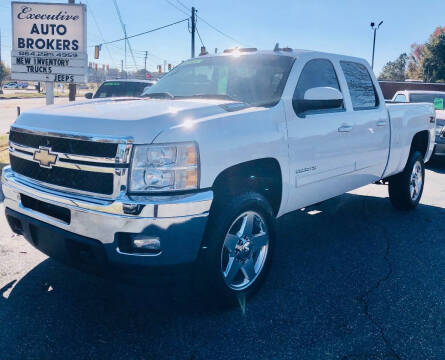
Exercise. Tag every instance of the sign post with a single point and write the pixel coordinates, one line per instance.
(49, 44)
(49, 86)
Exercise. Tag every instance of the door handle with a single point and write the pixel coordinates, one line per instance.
(381, 123)
(345, 128)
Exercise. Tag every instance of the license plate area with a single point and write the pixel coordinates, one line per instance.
(54, 211)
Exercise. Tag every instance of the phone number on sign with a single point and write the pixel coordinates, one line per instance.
(48, 54)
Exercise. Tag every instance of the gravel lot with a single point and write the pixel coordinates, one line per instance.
(8, 109)
(352, 279)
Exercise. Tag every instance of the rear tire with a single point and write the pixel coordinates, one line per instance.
(406, 188)
(239, 242)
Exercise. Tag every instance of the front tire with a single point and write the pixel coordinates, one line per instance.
(406, 188)
(239, 242)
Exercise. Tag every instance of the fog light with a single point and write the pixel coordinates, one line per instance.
(146, 243)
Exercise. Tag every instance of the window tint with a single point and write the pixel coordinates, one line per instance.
(361, 88)
(400, 98)
(317, 73)
(119, 89)
(426, 97)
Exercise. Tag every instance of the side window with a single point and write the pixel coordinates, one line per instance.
(400, 98)
(317, 73)
(361, 87)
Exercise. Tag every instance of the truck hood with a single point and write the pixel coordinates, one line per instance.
(141, 119)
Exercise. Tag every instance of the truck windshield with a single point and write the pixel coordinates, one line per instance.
(427, 97)
(253, 79)
(120, 88)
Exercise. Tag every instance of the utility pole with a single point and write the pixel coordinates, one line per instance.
(71, 87)
(145, 64)
(125, 56)
(122, 69)
(375, 28)
(193, 30)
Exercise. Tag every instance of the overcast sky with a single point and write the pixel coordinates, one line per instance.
(340, 26)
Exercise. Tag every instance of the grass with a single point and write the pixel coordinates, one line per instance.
(31, 95)
(4, 154)
(22, 96)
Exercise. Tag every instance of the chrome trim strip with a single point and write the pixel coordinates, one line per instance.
(138, 254)
(73, 135)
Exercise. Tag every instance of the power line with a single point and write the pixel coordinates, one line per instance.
(100, 32)
(176, 7)
(199, 37)
(145, 32)
(219, 31)
(182, 4)
(205, 21)
(125, 33)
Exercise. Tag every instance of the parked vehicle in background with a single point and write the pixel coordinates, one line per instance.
(437, 98)
(120, 88)
(11, 85)
(193, 175)
(389, 88)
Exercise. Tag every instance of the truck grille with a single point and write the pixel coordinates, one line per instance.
(84, 165)
(94, 182)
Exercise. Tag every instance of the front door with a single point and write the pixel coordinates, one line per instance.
(321, 159)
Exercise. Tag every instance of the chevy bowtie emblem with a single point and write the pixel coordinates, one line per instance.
(44, 157)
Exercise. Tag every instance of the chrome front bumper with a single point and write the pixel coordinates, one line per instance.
(178, 221)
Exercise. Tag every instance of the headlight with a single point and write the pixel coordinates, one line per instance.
(170, 167)
(439, 129)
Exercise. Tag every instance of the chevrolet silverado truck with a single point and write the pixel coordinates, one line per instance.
(193, 175)
(434, 97)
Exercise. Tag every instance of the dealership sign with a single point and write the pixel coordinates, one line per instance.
(49, 42)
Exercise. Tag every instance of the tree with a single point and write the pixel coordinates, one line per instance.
(427, 61)
(395, 70)
(433, 61)
(4, 72)
(415, 69)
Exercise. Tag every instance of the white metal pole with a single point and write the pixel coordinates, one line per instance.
(49, 85)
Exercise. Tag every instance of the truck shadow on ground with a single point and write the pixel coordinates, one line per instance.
(343, 278)
(436, 164)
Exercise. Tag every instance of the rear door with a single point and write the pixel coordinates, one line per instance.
(369, 117)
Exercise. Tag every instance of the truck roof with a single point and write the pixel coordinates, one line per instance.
(131, 80)
(421, 92)
(287, 52)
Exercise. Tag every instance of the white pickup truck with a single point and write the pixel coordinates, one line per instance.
(193, 174)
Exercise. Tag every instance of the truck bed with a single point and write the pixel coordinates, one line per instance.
(406, 121)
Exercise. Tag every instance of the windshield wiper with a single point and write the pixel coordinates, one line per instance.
(159, 95)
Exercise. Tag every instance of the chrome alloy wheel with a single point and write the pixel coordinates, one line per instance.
(245, 250)
(416, 181)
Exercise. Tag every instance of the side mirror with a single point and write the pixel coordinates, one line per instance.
(318, 98)
(89, 95)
